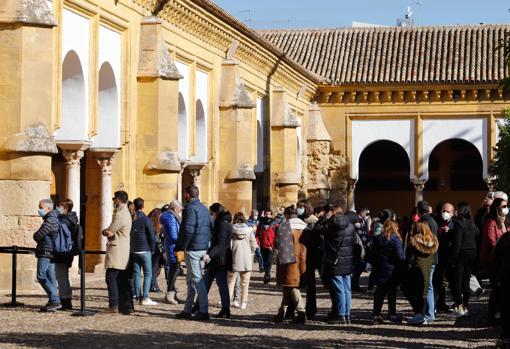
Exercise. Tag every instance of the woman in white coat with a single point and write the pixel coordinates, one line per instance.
(243, 247)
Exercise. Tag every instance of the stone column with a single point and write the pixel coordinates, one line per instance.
(72, 160)
(105, 160)
(419, 186)
(351, 187)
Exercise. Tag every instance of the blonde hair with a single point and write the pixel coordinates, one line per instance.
(391, 228)
(423, 229)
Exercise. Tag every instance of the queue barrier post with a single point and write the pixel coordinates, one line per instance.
(83, 311)
(14, 302)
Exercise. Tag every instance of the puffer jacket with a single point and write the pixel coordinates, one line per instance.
(265, 235)
(46, 234)
(220, 252)
(143, 235)
(71, 220)
(339, 241)
(171, 225)
(195, 229)
(387, 258)
(243, 247)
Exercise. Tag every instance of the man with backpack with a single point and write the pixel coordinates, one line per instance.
(45, 236)
(63, 260)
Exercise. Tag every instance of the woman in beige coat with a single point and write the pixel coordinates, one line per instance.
(243, 247)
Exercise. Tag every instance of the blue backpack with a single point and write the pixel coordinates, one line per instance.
(63, 243)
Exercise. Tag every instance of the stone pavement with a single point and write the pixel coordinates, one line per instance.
(156, 326)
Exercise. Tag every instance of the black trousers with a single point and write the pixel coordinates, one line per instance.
(311, 286)
(413, 287)
(461, 275)
(267, 257)
(389, 290)
(119, 291)
(505, 311)
(173, 270)
(156, 270)
(440, 283)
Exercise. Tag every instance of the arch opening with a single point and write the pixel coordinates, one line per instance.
(109, 115)
(200, 134)
(384, 172)
(183, 129)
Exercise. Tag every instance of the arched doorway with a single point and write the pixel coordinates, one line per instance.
(455, 174)
(109, 113)
(384, 182)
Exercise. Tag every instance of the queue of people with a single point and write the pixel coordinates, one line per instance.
(424, 257)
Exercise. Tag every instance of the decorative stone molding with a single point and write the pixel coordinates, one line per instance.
(316, 128)
(166, 160)
(35, 12)
(35, 139)
(289, 178)
(242, 98)
(155, 61)
(244, 172)
(104, 157)
(282, 113)
(233, 93)
(194, 18)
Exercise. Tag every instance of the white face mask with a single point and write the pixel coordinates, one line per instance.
(300, 211)
(504, 211)
(446, 216)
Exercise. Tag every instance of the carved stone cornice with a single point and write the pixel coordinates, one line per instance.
(192, 17)
(165, 161)
(29, 12)
(34, 139)
(244, 172)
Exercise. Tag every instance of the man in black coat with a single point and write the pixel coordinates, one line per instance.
(44, 237)
(339, 241)
(424, 210)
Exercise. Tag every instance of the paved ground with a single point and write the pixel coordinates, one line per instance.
(157, 327)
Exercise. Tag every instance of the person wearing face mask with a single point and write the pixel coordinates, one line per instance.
(445, 225)
(63, 261)
(117, 259)
(494, 227)
(170, 224)
(44, 238)
(266, 240)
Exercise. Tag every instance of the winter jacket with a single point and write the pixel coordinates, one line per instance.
(170, 224)
(195, 229)
(144, 236)
(220, 251)
(265, 235)
(419, 261)
(118, 247)
(490, 234)
(243, 247)
(339, 241)
(46, 234)
(71, 220)
(445, 241)
(463, 237)
(500, 261)
(433, 227)
(290, 274)
(387, 258)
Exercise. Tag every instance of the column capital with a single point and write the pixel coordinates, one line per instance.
(419, 183)
(104, 157)
(72, 157)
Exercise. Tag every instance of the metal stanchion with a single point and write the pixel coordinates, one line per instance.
(82, 311)
(13, 302)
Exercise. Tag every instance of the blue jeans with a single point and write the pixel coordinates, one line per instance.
(195, 282)
(47, 279)
(260, 260)
(431, 301)
(220, 274)
(341, 297)
(142, 261)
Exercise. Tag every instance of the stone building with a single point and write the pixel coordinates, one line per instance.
(150, 96)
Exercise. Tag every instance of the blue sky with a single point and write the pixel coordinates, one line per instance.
(260, 14)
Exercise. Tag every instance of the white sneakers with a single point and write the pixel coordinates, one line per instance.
(148, 301)
(235, 304)
(243, 305)
(459, 312)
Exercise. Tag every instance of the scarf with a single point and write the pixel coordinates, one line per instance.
(285, 244)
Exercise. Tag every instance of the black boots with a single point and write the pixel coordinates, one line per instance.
(278, 318)
(224, 313)
(66, 304)
(300, 318)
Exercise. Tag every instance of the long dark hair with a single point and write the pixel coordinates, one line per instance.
(464, 211)
(307, 206)
(154, 217)
(493, 213)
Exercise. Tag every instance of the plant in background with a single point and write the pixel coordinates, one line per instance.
(500, 165)
(505, 46)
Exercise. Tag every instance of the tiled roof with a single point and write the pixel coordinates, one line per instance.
(442, 54)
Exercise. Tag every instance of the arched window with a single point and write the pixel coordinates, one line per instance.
(183, 129)
(109, 116)
(74, 124)
(200, 134)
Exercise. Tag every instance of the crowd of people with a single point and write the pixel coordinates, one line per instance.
(428, 257)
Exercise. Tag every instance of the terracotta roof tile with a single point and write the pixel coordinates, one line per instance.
(441, 54)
